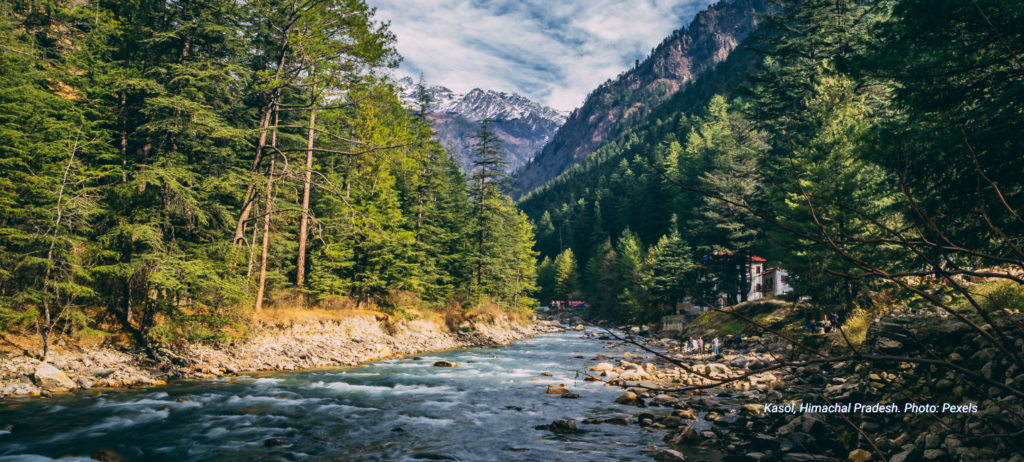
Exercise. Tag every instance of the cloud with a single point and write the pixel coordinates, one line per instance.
(553, 52)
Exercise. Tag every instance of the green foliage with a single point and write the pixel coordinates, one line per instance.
(148, 149)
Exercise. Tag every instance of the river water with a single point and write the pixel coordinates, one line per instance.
(486, 409)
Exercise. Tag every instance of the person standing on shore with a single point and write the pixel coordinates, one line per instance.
(700, 344)
(715, 344)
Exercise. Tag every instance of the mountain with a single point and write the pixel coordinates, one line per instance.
(524, 125)
(617, 104)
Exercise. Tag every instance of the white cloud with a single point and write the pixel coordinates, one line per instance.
(553, 52)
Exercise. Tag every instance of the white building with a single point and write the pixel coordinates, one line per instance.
(765, 282)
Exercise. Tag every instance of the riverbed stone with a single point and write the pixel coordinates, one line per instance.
(601, 367)
(669, 455)
(559, 426)
(557, 391)
(628, 398)
(858, 455)
(49, 377)
(687, 436)
(445, 364)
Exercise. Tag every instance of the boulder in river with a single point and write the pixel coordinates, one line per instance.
(664, 400)
(558, 391)
(686, 436)
(445, 364)
(685, 414)
(601, 367)
(731, 421)
(629, 399)
(571, 395)
(559, 426)
(51, 378)
(618, 421)
(274, 442)
(669, 455)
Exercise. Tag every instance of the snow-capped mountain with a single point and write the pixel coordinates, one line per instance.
(524, 125)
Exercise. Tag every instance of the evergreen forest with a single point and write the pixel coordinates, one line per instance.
(870, 148)
(172, 167)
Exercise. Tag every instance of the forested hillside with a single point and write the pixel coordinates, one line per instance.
(873, 147)
(171, 166)
(619, 103)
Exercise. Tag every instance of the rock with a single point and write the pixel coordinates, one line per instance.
(731, 421)
(558, 391)
(889, 345)
(619, 421)
(581, 327)
(51, 378)
(601, 367)
(7, 427)
(84, 383)
(592, 421)
(687, 436)
(634, 330)
(559, 426)
(739, 361)
(752, 410)
(716, 368)
(398, 429)
(107, 455)
(274, 442)
(546, 374)
(795, 441)
(669, 455)
(712, 416)
(858, 455)
(571, 395)
(672, 422)
(934, 454)
(685, 414)
(664, 400)
(932, 441)
(628, 398)
(590, 378)
(445, 364)
(906, 456)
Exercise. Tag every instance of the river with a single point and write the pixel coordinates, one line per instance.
(392, 410)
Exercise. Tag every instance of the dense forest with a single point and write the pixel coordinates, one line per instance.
(171, 166)
(868, 147)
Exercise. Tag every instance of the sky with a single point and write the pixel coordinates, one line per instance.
(553, 52)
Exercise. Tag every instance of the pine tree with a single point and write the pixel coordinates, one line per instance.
(487, 186)
(565, 275)
(670, 279)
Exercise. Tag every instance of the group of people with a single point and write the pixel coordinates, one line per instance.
(829, 324)
(696, 345)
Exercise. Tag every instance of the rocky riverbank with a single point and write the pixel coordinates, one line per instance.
(301, 345)
(732, 418)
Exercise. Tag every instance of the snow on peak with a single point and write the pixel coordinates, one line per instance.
(479, 104)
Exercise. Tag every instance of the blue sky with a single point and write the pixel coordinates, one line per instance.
(551, 51)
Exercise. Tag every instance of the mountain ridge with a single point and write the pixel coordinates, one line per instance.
(524, 125)
(617, 104)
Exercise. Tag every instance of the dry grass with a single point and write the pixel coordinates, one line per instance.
(855, 328)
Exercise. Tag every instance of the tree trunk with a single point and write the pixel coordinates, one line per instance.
(266, 226)
(300, 276)
(250, 192)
